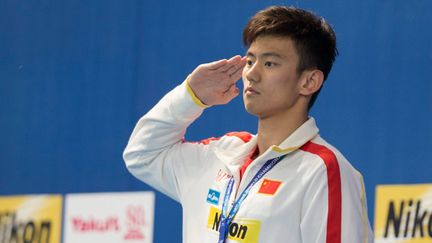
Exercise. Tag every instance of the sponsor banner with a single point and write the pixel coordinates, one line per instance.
(240, 230)
(109, 217)
(31, 218)
(403, 213)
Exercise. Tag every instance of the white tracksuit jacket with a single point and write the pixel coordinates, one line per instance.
(312, 195)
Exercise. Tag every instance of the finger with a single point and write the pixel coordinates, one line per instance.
(231, 69)
(235, 58)
(236, 75)
(236, 67)
(216, 64)
(231, 62)
(237, 72)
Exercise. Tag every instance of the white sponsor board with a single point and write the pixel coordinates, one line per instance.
(109, 217)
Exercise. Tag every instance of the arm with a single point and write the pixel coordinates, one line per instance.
(155, 152)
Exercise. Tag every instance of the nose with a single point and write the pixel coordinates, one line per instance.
(251, 73)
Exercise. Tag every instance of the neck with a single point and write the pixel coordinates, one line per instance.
(274, 130)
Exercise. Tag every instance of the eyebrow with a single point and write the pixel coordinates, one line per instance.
(265, 54)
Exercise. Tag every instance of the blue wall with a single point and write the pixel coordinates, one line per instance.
(75, 76)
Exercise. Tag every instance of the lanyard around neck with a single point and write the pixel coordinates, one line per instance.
(227, 219)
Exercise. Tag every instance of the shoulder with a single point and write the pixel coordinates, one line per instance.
(333, 163)
(228, 140)
(326, 153)
(324, 158)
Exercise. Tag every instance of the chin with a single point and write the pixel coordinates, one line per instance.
(251, 109)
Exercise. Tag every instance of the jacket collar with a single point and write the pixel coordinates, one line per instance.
(235, 157)
(306, 132)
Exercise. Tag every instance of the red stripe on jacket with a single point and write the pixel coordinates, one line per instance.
(244, 136)
(334, 216)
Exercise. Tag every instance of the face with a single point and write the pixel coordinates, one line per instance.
(270, 78)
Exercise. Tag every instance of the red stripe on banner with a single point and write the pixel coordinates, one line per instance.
(334, 216)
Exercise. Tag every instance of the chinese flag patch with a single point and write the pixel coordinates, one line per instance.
(269, 187)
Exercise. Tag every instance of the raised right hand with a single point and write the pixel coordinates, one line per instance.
(215, 83)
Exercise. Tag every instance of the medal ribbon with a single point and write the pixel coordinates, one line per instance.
(227, 219)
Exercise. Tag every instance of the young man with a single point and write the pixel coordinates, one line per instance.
(285, 184)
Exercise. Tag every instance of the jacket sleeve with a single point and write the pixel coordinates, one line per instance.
(156, 153)
(331, 218)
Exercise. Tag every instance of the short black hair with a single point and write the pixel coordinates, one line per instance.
(314, 39)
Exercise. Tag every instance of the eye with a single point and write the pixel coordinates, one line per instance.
(249, 62)
(269, 64)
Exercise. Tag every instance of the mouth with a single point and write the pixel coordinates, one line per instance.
(251, 91)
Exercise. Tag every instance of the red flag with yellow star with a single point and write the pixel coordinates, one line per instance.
(269, 187)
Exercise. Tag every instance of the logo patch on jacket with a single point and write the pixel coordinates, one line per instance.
(222, 175)
(269, 187)
(213, 197)
(240, 230)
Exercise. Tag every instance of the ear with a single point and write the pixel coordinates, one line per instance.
(311, 82)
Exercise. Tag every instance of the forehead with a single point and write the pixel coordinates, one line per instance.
(282, 46)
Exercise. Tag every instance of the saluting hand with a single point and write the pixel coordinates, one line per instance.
(215, 83)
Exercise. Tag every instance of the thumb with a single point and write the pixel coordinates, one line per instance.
(232, 92)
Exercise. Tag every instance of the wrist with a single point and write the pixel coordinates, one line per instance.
(192, 93)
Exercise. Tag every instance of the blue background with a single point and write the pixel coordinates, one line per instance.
(75, 76)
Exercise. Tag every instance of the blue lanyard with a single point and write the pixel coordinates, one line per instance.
(227, 219)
